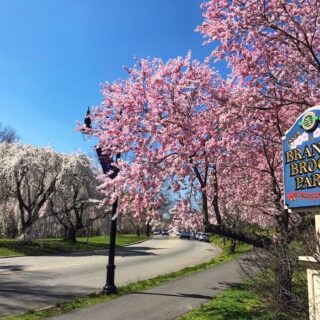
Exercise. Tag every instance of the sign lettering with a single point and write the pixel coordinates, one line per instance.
(301, 161)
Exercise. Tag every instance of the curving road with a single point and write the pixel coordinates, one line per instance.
(35, 282)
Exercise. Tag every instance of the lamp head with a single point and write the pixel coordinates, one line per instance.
(87, 119)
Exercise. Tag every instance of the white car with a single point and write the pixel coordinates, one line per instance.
(203, 237)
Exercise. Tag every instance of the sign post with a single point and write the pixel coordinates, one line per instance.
(301, 170)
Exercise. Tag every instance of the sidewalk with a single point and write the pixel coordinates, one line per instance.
(165, 302)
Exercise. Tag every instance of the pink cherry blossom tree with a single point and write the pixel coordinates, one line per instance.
(272, 48)
(158, 120)
(174, 127)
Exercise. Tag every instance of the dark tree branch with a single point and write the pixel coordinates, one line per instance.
(253, 239)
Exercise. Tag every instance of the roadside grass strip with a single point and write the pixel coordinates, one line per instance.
(95, 298)
(237, 303)
(10, 247)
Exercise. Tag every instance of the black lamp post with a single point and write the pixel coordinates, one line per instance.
(106, 161)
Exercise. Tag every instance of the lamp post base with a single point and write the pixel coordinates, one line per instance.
(110, 287)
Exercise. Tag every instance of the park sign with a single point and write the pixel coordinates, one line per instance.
(301, 161)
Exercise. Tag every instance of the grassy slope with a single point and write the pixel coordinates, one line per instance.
(10, 247)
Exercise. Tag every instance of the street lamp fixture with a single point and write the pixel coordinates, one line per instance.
(106, 161)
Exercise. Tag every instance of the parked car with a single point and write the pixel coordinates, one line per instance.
(184, 235)
(156, 232)
(203, 237)
(193, 235)
(197, 235)
(165, 232)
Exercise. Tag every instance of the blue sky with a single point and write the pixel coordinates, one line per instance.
(55, 53)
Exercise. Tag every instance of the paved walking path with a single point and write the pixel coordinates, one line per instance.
(165, 302)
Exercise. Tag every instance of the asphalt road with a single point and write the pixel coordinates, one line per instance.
(34, 282)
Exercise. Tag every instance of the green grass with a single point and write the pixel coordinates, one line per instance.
(225, 245)
(92, 299)
(238, 303)
(233, 304)
(9, 247)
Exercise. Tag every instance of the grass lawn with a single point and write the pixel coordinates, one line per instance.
(9, 247)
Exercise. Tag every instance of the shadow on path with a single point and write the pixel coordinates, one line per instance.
(18, 296)
(179, 295)
(120, 251)
(226, 285)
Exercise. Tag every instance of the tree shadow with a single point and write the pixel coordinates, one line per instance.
(12, 267)
(17, 296)
(239, 304)
(120, 251)
(178, 295)
(223, 285)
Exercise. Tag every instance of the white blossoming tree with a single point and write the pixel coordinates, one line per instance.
(28, 175)
(75, 201)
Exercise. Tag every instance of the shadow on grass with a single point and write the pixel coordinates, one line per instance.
(45, 247)
(65, 248)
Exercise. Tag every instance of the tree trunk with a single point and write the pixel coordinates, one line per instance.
(259, 241)
(205, 207)
(25, 235)
(215, 201)
(203, 184)
(71, 235)
(232, 246)
(283, 272)
(148, 229)
(284, 292)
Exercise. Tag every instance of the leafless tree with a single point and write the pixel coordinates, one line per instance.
(7, 134)
(264, 266)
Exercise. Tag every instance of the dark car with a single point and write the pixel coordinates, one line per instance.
(185, 235)
(165, 232)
